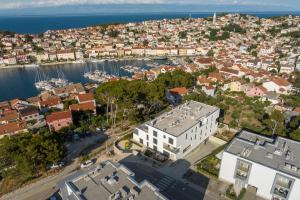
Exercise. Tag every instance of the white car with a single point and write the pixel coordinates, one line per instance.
(58, 165)
(86, 164)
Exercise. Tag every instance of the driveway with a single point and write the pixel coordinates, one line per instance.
(170, 187)
(180, 167)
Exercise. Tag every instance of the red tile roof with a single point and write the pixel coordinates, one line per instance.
(51, 102)
(58, 116)
(12, 127)
(279, 81)
(83, 106)
(179, 90)
(85, 97)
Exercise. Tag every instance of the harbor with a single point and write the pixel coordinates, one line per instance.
(21, 82)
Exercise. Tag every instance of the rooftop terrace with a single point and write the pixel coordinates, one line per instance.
(108, 181)
(183, 117)
(277, 153)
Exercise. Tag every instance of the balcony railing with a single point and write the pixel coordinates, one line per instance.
(281, 192)
(241, 176)
(243, 168)
(171, 149)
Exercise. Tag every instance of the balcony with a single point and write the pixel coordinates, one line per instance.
(241, 176)
(283, 184)
(171, 149)
(143, 127)
(281, 192)
(243, 168)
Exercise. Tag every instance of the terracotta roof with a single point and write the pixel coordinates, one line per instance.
(262, 88)
(279, 81)
(9, 115)
(297, 109)
(207, 60)
(230, 71)
(86, 97)
(33, 99)
(58, 116)
(83, 106)
(51, 102)
(12, 127)
(210, 87)
(179, 90)
(203, 80)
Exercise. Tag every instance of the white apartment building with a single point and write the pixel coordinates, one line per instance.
(179, 131)
(271, 166)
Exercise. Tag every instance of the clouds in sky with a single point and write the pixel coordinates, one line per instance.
(11, 4)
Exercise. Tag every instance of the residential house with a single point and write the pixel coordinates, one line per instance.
(13, 128)
(59, 120)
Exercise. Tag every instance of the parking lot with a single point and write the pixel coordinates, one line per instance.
(168, 186)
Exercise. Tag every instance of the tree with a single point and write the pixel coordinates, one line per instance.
(182, 34)
(275, 123)
(210, 53)
(295, 135)
(25, 155)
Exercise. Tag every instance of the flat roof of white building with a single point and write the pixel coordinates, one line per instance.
(107, 181)
(278, 153)
(182, 118)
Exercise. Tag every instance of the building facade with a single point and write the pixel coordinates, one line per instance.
(269, 165)
(179, 131)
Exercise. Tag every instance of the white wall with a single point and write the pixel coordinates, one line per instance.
(261, 177)
(183, 140)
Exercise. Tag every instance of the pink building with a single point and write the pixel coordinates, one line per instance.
(253, 90)
(59, 120)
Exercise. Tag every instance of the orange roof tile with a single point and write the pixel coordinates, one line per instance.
(86, 97)
(58, 116)
(83, 106)
(12, 127)
(179, 90)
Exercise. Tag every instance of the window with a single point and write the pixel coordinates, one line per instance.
(147, 137)
(171, 140)
(155, 133)
(155, 147)
(141, 141)
(186, 136)
(154, 140)
(282, 186)
(164, 136)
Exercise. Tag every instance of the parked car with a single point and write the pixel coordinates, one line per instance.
(57, 165)
(86, 164)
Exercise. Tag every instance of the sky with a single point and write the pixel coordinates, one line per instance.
(276, 5)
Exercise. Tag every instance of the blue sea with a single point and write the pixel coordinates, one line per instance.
(39, 24)
(19, 83)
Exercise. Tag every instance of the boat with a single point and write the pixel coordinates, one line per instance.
(42, 82)
(79, 62)
(31, 65)
(98, 76)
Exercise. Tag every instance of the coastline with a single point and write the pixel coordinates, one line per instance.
(89, 60)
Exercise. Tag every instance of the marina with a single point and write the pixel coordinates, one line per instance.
(21, 82)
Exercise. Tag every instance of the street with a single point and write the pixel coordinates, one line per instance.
(44, 188)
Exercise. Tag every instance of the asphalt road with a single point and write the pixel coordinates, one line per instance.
(44, 188)
(168, 186)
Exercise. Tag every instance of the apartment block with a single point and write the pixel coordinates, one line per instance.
(179, 131)
(271, 166)
(107, 181)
